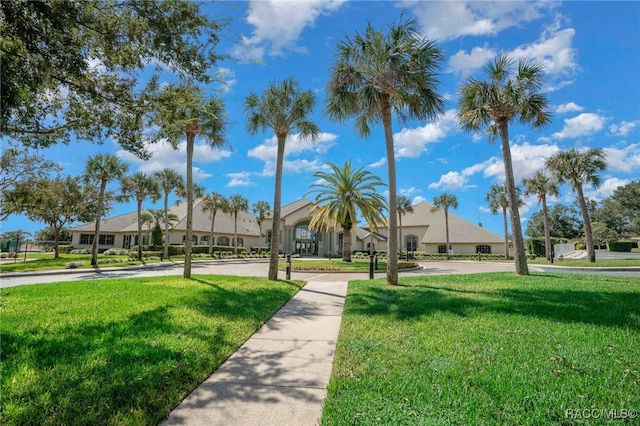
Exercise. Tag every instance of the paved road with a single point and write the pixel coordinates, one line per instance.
(240, 267)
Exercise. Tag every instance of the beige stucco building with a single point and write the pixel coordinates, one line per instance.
(422, 230)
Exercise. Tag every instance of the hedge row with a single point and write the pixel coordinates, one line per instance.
(536, 245)
(623, 246)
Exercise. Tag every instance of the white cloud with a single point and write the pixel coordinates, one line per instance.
(584, 124)
(227, 77)
(624, 128)
(413, 142)
(381, 162)
(163, 156)
(417, 200)
(294, 147)
(606, 189)
(526, 159)
(625, 159)
(568, 107)
(240, 179)
(408, 192)
(554, 50)
(449, 20)
(279, 24)
(463, 63)
(453, 181)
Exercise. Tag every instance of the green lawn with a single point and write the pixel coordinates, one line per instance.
(122, 351)
(45, 261)
(486, 349)
(582, 263)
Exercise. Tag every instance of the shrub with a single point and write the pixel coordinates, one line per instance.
(622, 246)
(107, 261)
(145, 254)
(74, 265)
(580, 246)
(80, 251)
(116, 252)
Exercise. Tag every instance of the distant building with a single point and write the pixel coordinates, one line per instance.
(422, 230)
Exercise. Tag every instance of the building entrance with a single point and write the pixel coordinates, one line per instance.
(306, 241)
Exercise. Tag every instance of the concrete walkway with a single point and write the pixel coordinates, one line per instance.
(280, 375)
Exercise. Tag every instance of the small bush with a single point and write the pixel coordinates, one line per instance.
(116, 252)
(80, 251)
(107, 261)
(580, 246)
(74, 265)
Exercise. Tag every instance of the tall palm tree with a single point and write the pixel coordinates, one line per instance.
(498, 199)
(343, 194)
(102, 168)
(379, 74)
(261, 208)
(445, 202)
(403, 207)
(183, 110)
(579, 168)
(541, 185)
(140, 186)
(237, 203)
(212, 203)
(282, 107)
(169, 181)
(492, 104)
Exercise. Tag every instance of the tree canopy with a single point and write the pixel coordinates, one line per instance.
(72, 68)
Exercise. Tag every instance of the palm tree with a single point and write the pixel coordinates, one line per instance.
(376, 75)
(169, 181)
(212, 203)
(491, 105)
(182, 110)
(282, 108)
(102, 168)
(498, 199)
(580, 168)
(445, 202)
(155, 217)
(261, 208)
(403, 207)
(237, 203)
(541, 184)
(343, 193)
(140, 186)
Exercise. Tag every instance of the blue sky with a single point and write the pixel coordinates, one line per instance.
(591, 54)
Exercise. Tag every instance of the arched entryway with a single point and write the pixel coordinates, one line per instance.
(305, 240)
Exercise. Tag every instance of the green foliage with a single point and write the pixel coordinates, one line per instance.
(116, 252)
(122, 351)
(484, 349)
(536, 246)
(156, 235)
(74, 265)
(622, 246)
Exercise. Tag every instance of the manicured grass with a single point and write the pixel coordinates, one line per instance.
(599, 263)
(486, 349)
(122, 351)
(44, 262)
(360, 265)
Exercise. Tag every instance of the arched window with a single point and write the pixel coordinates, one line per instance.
(223, 241)
(484, 249)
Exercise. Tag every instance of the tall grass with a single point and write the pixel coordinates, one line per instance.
(122, 351)
(486, 349)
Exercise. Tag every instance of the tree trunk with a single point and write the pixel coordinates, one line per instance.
(166, 225)
(588, 236)
(520, 256)
(56, 238)
(235, 233)
(139, 229)
(213, 222)
(277, 197)
(446, 231)
(392, 242)
(96, 234)
(547, 231)
(346, 244)
(506, 234)
(191, 136)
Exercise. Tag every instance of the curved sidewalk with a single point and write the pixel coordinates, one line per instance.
(280, 375)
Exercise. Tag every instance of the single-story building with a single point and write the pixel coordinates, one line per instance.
(422, 230)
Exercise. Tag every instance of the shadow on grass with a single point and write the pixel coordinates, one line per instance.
(131, 370)
(545, 296)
